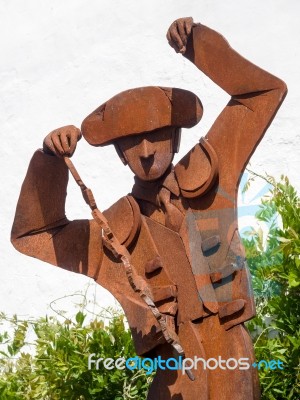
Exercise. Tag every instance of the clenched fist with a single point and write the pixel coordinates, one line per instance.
(179, 32)
(62, 141)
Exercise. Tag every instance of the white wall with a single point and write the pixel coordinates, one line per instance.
(61, 59)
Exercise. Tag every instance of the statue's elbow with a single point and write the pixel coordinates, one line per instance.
(282, 89)
(16, 241)
(19, 241)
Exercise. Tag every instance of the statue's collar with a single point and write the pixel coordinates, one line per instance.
(149, 190)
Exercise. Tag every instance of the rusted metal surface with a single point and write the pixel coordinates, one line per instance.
(178, 227)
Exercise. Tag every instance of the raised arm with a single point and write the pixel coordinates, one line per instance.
(255, 94)
(40, 227)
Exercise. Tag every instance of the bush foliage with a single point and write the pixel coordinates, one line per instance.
(58, 368)
(274, 263)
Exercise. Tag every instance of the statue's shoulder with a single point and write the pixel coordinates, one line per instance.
(124, 218)
(198, 170)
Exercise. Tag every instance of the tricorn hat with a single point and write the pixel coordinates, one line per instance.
(140, 110)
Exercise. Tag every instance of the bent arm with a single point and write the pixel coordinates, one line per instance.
(40, 227)
(255, 98)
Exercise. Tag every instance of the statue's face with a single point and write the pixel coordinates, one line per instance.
(149, 154)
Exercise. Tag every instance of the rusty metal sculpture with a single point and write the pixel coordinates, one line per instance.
(170, 251)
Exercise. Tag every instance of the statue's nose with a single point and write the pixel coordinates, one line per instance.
(146, 149)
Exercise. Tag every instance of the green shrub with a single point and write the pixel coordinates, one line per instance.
(275, 267)
(59, 368)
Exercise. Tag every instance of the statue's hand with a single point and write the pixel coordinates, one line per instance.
(62, 141)
(179, 32)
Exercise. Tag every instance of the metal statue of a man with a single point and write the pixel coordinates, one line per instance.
(178, 225)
